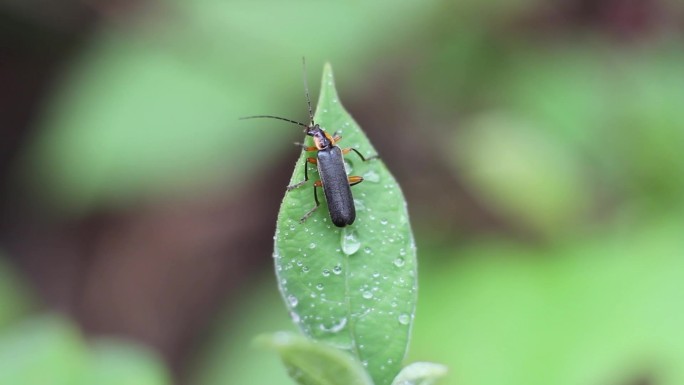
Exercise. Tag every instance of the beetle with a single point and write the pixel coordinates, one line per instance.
(329, 161)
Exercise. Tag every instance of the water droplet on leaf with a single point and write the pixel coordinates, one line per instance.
(371, 176)
(350, 241)
(292, 300)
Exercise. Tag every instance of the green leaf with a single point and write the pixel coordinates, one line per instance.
(352, 287)
(43, 350)
(49, 349)
(420, 373)
(114, 362)
(315, 363)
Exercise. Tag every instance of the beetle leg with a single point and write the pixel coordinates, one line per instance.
(306, 174)
(336, 137)
(305, 147)
(306, 216)
(353, 180)
(363, 158)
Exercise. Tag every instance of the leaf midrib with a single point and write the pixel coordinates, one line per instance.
(352, 320)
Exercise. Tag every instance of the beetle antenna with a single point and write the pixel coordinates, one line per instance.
(274, 117)
(306, 91)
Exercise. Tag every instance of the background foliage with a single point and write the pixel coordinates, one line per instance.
(538, 145)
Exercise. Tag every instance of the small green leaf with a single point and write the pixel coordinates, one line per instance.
(315, 363)
(352, 287)
(420, 373)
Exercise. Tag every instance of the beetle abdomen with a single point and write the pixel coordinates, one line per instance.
(336, 186)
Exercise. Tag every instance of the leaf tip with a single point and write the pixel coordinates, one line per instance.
(420, 373)
(327, 70)
(328, 91)
(273, 341)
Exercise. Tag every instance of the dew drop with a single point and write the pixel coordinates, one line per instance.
(336, 327)
(292, 300)
(312, 245)
(367, 250)
(295, 317)
(350, 241)
(337, 270)
(305, 269)
(383, 221)
(404, 319)
(367, 295)
(371, 176)
(399, 262)
(326, 272)
(320, 286)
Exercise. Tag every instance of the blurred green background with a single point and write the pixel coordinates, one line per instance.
(538, 144)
